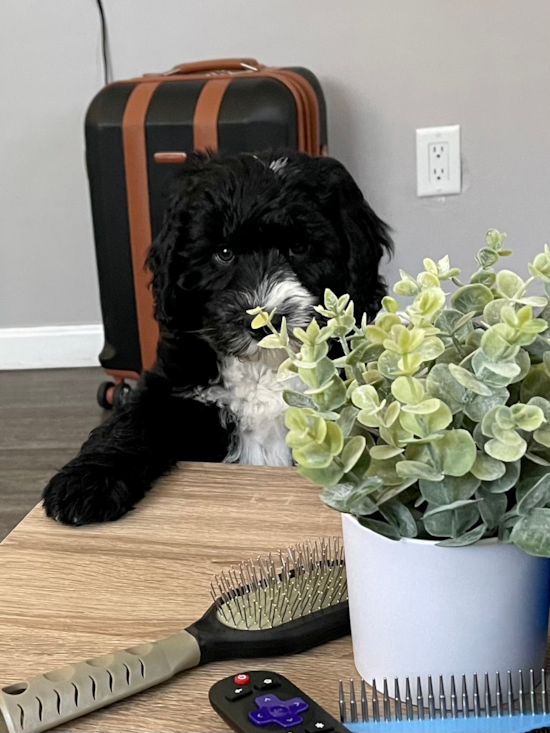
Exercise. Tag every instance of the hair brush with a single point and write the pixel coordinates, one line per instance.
(483, 707)
(260, 608)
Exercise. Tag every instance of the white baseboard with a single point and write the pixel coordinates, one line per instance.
(50, 347)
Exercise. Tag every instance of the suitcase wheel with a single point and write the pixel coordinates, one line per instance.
(105, 395)
(120, 393)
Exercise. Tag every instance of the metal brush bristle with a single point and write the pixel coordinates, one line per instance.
(271, 591)
(490, 702)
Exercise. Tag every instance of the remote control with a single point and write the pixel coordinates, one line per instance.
(252, 702)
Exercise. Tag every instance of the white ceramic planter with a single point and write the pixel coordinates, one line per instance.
(418, 609)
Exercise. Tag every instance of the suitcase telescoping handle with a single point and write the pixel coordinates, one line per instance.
(203, 67)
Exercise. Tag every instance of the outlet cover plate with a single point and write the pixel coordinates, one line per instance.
(438, 169)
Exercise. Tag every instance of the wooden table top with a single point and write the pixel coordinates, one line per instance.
(68, 594)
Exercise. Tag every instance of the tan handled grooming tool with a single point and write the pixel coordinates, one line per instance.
(260, 608)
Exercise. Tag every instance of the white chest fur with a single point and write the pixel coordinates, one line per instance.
(253, 396)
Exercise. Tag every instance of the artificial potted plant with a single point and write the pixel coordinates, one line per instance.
(430, 432)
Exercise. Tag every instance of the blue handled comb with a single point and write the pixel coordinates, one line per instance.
(470, 712)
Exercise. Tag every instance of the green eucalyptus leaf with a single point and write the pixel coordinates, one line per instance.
(451, 523)
(346, 420)
(386, 530)
(453, 322)
(296, 419)
(532, 533)
(390, 492)
(524, 363)
(535, 384)
(321, 374)
(511, 450)
(535, 301)
(471, 298)
(333, 441)
(496, 346)
(536, 458)
(505, 482)
(487, 257)
(313, 455)
(440, 383)
(326, 477)
(287, 370)
(484, 277)
(333, 397)
(468, 381)
(542, 436)
(297, 399)
(439, 525)
(352, 452)
(456, 452)
(386, 470)
(430, 348)
(399, 516)
(491, 507)
(408, 390)
(388, 365)
(298, 439)
(533, 488)
(425, 425)
(270, 342)
(449, 507)
(330, 300)
(449, 490)
(468, 538)
(383, 452)
(426, 407)
(491, 312)
(366, 397)
(510, 284)
(478, 406)
(350, 499)
(416, 469)
(527, 417)
(487, 468)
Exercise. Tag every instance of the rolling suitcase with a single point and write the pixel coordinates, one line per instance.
(137, 132)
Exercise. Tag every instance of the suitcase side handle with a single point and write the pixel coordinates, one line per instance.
(200, 67)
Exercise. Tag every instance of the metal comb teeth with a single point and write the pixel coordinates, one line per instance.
(274, 590)
(492, 702)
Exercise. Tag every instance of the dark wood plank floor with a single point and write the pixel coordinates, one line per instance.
(45, 416)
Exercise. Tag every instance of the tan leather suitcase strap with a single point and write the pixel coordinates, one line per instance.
(201, 67)
(312, 105)
(207, 109)
(297, 85)
(137, 191)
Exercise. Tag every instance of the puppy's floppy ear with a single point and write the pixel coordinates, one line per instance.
(162, 258)
(366, 236)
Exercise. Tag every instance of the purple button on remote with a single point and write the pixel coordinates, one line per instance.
(282, 712)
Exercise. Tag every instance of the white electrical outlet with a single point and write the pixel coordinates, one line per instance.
(438, 160)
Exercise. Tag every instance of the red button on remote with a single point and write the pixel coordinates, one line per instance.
(241, 679)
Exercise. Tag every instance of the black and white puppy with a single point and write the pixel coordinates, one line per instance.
(270, 230)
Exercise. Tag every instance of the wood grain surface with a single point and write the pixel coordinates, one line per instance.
(67, 594)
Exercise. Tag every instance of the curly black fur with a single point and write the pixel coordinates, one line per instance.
(301, 220)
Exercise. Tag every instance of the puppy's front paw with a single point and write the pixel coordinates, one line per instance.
(86, 494)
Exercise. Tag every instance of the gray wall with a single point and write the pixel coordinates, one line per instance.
(387, 66)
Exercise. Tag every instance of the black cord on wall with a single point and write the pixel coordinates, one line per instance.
(107, 71)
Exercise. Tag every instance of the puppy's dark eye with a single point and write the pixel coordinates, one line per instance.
(225, 255)
(298, 248)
